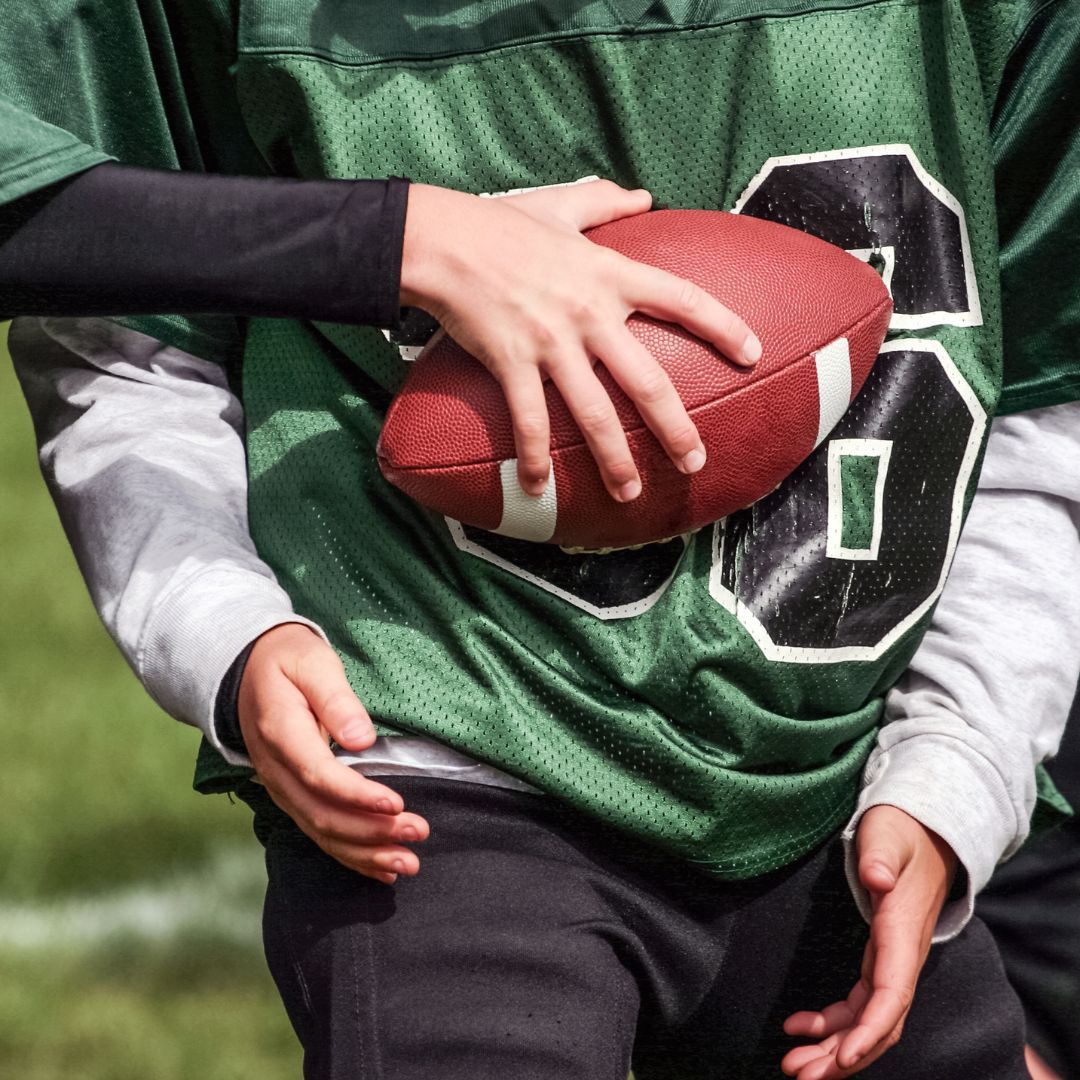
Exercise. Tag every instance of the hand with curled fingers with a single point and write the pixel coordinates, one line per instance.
(294, 695)
(516, 284)
(908, 870)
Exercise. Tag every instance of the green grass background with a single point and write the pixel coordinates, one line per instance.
(99, 818)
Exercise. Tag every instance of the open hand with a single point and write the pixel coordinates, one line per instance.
(513, 281)
(294, 695)
(908, 871)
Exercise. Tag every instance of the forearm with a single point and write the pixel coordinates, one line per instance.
(987, 694)
(120, 240)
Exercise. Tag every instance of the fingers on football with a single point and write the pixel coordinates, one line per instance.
(647, 384)
(523, 389)
(599, 202)
(664, 296)
(595, 415)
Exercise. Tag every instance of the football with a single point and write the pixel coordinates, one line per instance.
(820, 313)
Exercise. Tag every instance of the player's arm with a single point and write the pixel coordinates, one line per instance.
(141, 447)
(84, 235)
(989, 690)
(987, 694)
(951, 782)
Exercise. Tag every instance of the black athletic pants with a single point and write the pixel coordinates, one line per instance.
(1032, 907)
(536, 945)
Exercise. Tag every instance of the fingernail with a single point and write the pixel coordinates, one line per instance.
(693, 461)
(630, 490)
(384, 806)
(751, 349)
(409, 834)
(535, 487)
(398, 866)
(354, 731)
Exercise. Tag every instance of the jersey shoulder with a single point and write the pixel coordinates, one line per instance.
(1035, 132)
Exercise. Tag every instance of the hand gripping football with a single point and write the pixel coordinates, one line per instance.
(821, 315)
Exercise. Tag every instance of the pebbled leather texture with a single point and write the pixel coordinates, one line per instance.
(449, 429)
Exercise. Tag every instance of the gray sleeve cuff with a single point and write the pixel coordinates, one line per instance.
(197, 631)
(945, 784)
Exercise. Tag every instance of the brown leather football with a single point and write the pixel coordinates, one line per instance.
(821, 315)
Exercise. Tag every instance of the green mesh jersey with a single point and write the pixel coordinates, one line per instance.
(716, 695)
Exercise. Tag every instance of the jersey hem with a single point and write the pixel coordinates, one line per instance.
(1062, 393)
(218, 777)
(175, 330)
(46, 169)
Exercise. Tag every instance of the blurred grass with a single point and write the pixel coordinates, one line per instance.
(97, 798)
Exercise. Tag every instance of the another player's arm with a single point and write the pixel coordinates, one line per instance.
(513, 280)
(119, 240)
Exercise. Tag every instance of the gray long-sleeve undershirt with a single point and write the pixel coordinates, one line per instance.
(141, 445)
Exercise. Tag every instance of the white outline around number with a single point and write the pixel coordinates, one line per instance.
(619, 611)
(881, 449)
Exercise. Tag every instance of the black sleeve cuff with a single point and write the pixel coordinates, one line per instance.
(227, 707)
(370, 272)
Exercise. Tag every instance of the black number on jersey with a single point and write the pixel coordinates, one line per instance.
(879, 203)
(853, 547)
(615, 585)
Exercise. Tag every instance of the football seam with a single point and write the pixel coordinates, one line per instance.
(697, 410)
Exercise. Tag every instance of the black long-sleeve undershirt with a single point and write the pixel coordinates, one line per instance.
(120, 240)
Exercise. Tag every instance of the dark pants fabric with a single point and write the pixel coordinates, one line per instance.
(535, 944)
(1032, 907)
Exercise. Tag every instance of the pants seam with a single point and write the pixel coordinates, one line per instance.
(296, 965)
(364, 1012)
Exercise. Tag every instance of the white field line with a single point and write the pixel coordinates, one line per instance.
(220, 898)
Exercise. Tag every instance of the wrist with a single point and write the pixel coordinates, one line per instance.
(227, 703)
(428, 246)
(284, 634)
